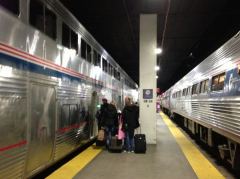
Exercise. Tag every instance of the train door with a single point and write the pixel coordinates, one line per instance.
(42, 117)
(93, 110)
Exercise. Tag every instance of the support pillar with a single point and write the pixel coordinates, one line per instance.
(147, 81)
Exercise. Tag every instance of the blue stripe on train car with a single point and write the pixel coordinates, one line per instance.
(20, 64)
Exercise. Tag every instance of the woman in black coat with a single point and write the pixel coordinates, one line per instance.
(130, 116)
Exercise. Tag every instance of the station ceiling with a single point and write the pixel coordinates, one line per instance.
(193, 30)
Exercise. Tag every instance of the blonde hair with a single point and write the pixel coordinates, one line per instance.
(128, 100)
(113, 103)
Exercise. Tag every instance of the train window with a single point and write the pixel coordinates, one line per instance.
(184, 92)
(99, 60)
(115, 73)
(83, 49)
(65, 35)
(37, 15)
(204, 86)
(109, 69)
(118, 76)
(74, 40)
(89, 53)
(50, 24)
(11, 5)
(104, 65)
(112, 69)
(218, 82)
(95, 57)
(43, 19)
(69, 38)
(194, 89)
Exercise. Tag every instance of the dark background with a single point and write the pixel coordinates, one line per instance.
(194, 29)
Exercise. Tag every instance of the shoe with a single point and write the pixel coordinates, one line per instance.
(132, 151)
(124, 151)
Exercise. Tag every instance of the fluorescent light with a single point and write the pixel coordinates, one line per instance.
(157, 68)
(158, 50)
(156, 77)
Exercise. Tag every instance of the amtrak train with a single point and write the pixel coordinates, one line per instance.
(53, 75)
(206, 101)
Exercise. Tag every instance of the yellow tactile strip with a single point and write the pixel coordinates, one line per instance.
(71, 168)
(201, 166)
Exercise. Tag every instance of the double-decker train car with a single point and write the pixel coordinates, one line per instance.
(207, 101)
(53, 74)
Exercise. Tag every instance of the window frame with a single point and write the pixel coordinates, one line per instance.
(218, 86)
(83, 49)
(43, 26)
(89, 53)
(194, 89)
(205, 88)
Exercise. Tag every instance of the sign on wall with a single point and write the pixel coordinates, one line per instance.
(147, 93)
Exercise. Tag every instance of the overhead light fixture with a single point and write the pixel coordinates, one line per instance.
(157, 68)
(158, 50)
(156, 77)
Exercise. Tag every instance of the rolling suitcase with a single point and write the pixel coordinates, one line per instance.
(140, 143)
(115, 144)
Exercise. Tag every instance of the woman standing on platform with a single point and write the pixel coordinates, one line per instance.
(130, 116)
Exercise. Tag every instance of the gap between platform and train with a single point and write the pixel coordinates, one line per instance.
(71, 168)
(201, 166)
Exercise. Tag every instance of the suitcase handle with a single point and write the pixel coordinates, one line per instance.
(137, 131)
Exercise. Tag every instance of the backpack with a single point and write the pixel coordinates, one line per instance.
(111, 112)
(109, 116)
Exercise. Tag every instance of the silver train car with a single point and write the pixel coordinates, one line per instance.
(206, 101)
(53, 74)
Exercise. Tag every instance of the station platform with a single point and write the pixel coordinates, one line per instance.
(174, 156)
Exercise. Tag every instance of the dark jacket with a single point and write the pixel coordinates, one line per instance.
(130, 115)
(108, 115)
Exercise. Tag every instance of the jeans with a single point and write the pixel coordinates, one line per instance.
(109, 131)
(129, 140)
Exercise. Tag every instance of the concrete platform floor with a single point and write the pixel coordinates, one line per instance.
(164, 160)
(176, 155)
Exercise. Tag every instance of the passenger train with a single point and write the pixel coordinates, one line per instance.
(206, 101)
(53, 75)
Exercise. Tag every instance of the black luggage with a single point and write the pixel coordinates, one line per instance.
(140, 143)
(100, 143)
(115, 144)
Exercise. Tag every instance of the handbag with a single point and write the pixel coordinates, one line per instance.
(121, 134)
(101, 135)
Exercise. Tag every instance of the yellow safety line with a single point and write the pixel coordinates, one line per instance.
(201, 166)
(70, 169)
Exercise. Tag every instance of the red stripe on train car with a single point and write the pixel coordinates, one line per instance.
(24, 142)
(74, 126)
(46, 62)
